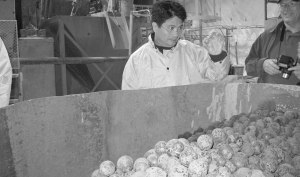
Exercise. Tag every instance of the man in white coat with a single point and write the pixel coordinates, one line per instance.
(5, 76)
(166, 60)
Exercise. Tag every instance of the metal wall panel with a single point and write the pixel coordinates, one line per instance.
(7, 10)
(38, 80)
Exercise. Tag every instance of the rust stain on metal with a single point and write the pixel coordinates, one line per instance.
(215, 108)
(293, 90)
(230, 103)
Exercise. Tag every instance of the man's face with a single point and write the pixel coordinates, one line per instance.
(168, 34)
(290, 11)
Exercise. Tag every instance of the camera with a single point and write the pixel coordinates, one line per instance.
(285, 62)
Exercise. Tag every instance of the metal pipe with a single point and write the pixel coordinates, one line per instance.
(236, 53)
(46, 9)
(227, 43)
(130, 33)
(68, 60)
(266, 9)
(226, 27)
(49, 14)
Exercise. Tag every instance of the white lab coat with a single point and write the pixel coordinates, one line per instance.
(5, 76)
(186, 63)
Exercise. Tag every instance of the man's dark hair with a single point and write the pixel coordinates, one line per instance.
(164, 10)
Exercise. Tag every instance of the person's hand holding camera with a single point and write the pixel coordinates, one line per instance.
(296, 70)
(271, 67)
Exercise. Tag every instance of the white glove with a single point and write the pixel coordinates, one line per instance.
(214, 43)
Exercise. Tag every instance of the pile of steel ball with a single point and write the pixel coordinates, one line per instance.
(262, 143)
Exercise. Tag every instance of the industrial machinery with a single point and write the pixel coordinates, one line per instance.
(76, 5)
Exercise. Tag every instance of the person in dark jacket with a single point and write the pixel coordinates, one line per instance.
(262, 60)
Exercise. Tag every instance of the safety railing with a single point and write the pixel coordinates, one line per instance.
(68, 60)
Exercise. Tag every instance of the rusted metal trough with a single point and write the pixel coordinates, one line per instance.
(70, 136)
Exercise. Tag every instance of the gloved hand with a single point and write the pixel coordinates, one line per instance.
(214, 43)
